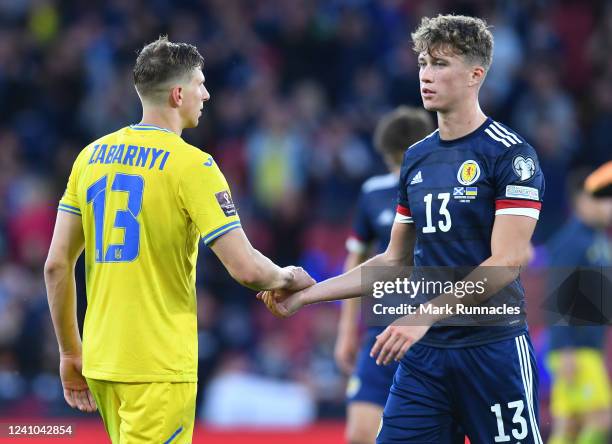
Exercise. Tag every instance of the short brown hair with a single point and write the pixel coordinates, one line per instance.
(400, 128)
(163, 61)
(467, 36)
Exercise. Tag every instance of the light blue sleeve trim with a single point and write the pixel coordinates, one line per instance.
(220, 231)
(174, 435)
(65, 210)
(70, 207)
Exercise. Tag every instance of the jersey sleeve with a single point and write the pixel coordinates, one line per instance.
(403, 214)
(69, 202)
(206, 197)
(519, 187)
(362, 231)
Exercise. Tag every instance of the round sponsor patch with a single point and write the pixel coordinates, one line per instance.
(353, 386)
(468, 173)
(524, 167)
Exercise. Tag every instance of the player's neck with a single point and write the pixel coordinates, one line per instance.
(460, 122)
(158, 118)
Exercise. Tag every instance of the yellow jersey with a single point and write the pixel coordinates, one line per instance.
(145, 197)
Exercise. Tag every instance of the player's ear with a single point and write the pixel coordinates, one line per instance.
(176, 96)
(477, 74)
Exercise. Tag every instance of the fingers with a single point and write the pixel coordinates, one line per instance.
(80, 399)
(301, 279)
(386, 349)
(69, 397)
(92, 401)
(394, 350)
(391, 345)
(268, 298)
(380, 340)
(403, 350)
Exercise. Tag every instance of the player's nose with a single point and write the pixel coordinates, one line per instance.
(425, 74)
(205, 95)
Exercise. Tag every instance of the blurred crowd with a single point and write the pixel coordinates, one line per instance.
(296, 89)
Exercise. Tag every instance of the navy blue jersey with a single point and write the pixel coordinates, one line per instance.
(578, 245)
(452, 190)
(374, 214)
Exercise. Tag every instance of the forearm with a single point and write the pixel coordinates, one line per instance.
(61, 296)
(344, 286)
(263, 274)
(496, 271)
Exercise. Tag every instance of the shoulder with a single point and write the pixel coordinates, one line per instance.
(197, 167)
(502, 135)
(502, 138)
(422, 146)
(194, 157)
(377, 183)
(506, 146)
(193, 152)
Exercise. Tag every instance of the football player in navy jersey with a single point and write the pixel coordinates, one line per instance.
(469, 196)
(369, 384)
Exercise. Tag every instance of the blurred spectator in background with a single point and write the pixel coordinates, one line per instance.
(581, 393)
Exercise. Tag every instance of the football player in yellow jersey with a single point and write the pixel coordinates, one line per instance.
(138, 201)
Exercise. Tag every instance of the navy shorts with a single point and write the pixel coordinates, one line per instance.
(370, 382)
(489, 392)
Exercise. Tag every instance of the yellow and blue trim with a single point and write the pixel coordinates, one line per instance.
(69, 209)
(174, 435)
(220, 231)
(145, 127)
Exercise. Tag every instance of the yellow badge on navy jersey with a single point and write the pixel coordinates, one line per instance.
(468, 173)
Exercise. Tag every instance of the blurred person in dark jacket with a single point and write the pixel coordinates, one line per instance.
(580, 398)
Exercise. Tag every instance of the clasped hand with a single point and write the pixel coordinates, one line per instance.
(286, 301)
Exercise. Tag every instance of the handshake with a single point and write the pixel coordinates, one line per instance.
(288, 299)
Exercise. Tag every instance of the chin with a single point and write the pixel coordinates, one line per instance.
(430, 107)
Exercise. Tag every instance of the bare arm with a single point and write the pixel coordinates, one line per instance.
(254, 270)
(399, 252)
(66, 247)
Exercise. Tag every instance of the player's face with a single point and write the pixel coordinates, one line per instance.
(194, 96)
(444, 79)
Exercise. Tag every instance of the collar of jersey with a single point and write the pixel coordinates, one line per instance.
(477, 131)
(145, 127)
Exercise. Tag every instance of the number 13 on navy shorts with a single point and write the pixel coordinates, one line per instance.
(489, 392)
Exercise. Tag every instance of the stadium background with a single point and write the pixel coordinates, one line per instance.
(297, 87)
